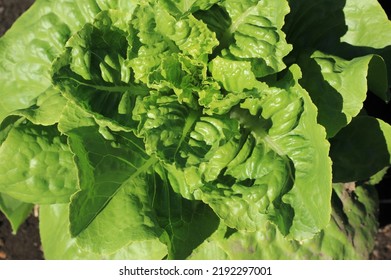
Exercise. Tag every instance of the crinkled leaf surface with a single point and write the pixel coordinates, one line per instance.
(202, 150)
(184, 7)
(92, 71)
(254, 33)
(36, 39)
(251, 165)
(36, 165)
(194, 145)
(350, 234)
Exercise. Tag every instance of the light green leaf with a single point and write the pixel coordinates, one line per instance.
(27, 50)
(36, 165)
(169, 46)
(15, 210)
(47, 110)
(105, 170)
(235, 76)
(251, 165)
(123, 5)
(106, 160)
(350, 234)
(255, 34)
(55, 237)
(128, 217)
(182, 8)
(93, 72)
(351, 34)
(365, 20)
(361, 149)
(58, 244)
(174, 129)
(282, 164)
(338, 87)
(192, 37)
(164, 124)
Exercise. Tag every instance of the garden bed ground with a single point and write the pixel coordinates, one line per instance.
(25, 245)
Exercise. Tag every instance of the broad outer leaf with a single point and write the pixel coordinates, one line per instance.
(308, 28)
(186, 223)
(93, 71)
(365, 21)
(58, 244)
(105, 160)
(361, 149)
(339, 87)
(27, 50)
(128, 217)
(36, 165)
(15, 210)
(307, 149)
(349, 235)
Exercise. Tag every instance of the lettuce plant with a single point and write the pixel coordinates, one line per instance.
(160, 129)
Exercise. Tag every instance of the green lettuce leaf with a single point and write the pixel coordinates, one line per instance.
(186, 223)
(361, 149)
(251, 165)
(42, 170)
(47, 110)
(106, 160)
(93, 73)
(350, 234)
(182, 8)
(339, 87)
(308, 26)
(362, 19)
(15, 210)
(127, 218)
(36, 39)
(58, 244)
(250, 31)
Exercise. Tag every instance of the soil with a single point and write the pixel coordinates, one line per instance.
(25, 245)
(382, 249)
(10, 10)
